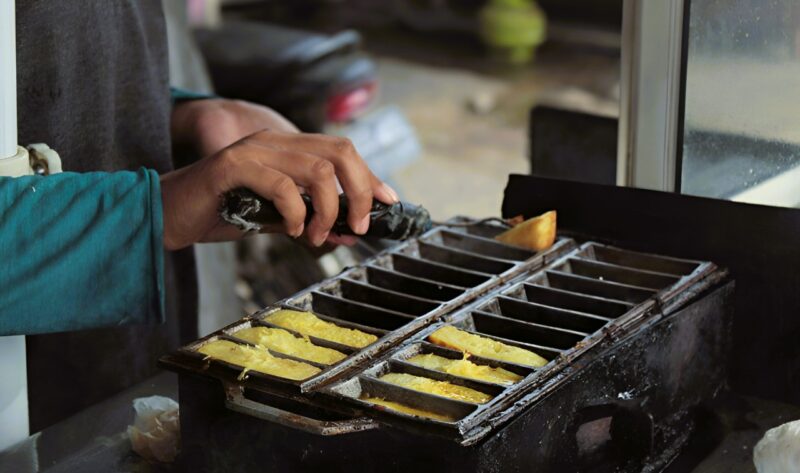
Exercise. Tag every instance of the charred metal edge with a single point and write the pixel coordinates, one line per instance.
(388, 340)
(496, 246)
(547, 385)
(474, 426)
(370, 268)
(641, 293)
(366, 355)
(481, 421)
(499, 302)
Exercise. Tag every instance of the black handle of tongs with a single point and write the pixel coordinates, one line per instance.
(236, 401)
(398, 221)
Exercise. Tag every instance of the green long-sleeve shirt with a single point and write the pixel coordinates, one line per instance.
(80, 251)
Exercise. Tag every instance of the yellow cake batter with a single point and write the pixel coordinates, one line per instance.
(465, 369)
(311, 325)
(451, 337)
(440, 388)
(257, 359)
(281, 341)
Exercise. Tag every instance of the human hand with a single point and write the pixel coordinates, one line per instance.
(209, 125)
(276, 165)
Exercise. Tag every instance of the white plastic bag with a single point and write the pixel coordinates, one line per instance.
(155, 433)
(779, 450)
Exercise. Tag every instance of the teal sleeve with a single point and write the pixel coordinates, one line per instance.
(80, 251)
(182, 95)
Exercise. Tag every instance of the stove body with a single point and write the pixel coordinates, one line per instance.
(635, 343)
(639, 392)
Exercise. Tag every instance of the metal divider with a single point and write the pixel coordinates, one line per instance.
(399, 366)
(384, 298)
(410, 286)
(527, 311)
(597, 287)
(575, 301)
(438, 271)
(546, 340)
(619, 274)
(463, 259)
(558, 312)
(415, 286)
(424, 348)
(636, 260)
(373, 387)
(479, 245)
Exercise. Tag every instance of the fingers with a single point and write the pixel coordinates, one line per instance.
(245, 169)
(346, 240)
(385, 193)
(313, 162)
(356, 179)
(316, 175)
(358, 182)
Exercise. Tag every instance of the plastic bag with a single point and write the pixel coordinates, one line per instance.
(155, 433)
(779, 450)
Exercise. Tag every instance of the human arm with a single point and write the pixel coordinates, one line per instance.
(80, 251)
(268, 143)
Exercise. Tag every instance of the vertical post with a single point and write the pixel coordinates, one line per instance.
(650, 98)
(13, 162)
(627, 107)
(8, 80)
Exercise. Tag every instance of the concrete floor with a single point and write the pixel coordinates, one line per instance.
(473, 123)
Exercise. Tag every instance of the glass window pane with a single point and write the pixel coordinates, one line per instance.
(742, 109)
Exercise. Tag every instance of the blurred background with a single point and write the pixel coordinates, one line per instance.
(436, 95)
(445, 98)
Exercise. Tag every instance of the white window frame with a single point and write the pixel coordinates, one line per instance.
(650, 136)
(650, 125)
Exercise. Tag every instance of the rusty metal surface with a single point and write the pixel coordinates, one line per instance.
(351, 300)
(664, 278)
(575, 303)
(756, 243)
(645, 384)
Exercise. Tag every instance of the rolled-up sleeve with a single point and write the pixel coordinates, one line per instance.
(80, 251)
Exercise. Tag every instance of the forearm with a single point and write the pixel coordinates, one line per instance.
(182, 124)
(203, 125)
(80, 251)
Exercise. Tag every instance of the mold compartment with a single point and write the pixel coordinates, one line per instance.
(575, 301)
(479, 245)
(549, 341)
(438, 272)
(397, 366)
(619, 274)
(463, 259)
(594, 287)
(526, 311)
(503, 333)
(338, 309)
(344, 349)
(387, 299)
(425, 347)
(358, 388)
(636, 260)
(224, 369)
(412, 285)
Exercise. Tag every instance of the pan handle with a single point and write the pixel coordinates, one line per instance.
(235, 400)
